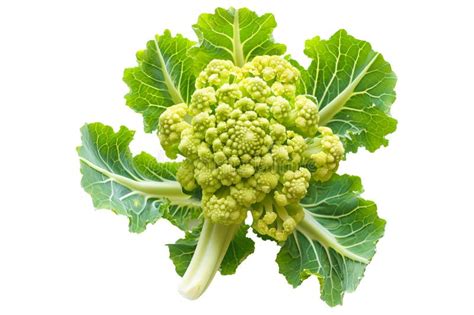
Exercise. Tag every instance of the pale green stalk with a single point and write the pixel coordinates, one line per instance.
(210, 251)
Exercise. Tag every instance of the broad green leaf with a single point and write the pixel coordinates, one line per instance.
(237, 35)
(335, 241)
(163, 77)
(240, 247)
(354, 87)
(132, 186)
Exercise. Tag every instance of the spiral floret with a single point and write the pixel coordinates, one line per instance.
(294, 187)
(228, 93)
(272, 69)
(305, 116)
(185, 175)
(223, 208)
(217, 73)
(202, 101)
(171, 124)
(248, 144)
(325, 152)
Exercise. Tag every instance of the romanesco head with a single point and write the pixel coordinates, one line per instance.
(247, 139)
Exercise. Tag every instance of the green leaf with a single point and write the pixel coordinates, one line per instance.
(132, 186)
(163, 77)
(186, 216)
(354, 87)
(240, 247)
(237, 35)
(182, 251)
(335, 241)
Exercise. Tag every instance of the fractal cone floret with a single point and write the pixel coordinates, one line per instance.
(253, 141)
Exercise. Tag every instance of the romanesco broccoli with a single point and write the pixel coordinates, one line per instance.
(253, 133)
(249, 142)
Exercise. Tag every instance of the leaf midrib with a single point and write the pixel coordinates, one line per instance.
(237, 48)
(314, 230)
(148, 189)
(331, 109)
(172, 90)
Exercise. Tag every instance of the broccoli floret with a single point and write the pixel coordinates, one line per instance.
(202, 100)
(294, 187)
(256, 88)
(325, 152)
(222, 208)
(305, 116)
(272, 69)
(280, 108)
(286, 90)
(274, 220)
(185, 175)
(171, 124)
(228, 93)
(217, 73)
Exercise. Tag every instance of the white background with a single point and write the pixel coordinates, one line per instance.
(61, 65)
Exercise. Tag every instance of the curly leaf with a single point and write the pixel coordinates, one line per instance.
(163, 77)
(132, 186)
(237, 35)
(336, 239)
(354, 87)
(240, 247)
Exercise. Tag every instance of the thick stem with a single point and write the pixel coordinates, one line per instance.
(211, 248)
(314, 230)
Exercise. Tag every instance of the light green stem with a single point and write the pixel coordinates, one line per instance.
(210, 251)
